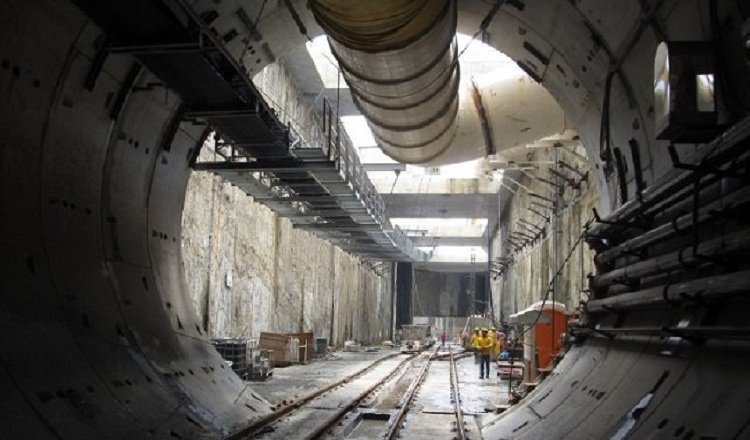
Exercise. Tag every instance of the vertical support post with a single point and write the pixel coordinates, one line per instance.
(635, 155)
(332, 332)
(621, 176)
(394, 280)
(471, 291)
(488, 283)
(557, 228)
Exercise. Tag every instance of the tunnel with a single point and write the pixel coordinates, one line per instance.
(105, 107)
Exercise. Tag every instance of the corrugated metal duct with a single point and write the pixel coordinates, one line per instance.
(400, 60)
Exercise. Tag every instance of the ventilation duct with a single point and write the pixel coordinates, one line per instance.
(400, 60)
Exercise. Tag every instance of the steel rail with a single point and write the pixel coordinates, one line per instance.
(272, 417)
(397, 420)
(455, 396)
(352, 404)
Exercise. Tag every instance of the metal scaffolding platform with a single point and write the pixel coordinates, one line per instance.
(318, 183)
(319, 187)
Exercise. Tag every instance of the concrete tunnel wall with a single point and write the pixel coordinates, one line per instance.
(98, 337)
(526, 271)
(628, 387)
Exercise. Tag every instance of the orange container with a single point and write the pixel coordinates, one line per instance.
(547, 334)
(548, 327)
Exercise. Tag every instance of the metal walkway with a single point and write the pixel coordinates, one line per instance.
(319, 184)
(319, 187)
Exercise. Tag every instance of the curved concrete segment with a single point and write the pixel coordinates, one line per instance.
(639, 390)
(98, 337)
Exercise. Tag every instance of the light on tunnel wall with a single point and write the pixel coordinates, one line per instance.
(685, 99)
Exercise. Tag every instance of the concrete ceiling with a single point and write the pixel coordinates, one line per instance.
(452, 267)
(449, 241)
(521, 111)
(301, 67)
(441, 205)
(444, 206)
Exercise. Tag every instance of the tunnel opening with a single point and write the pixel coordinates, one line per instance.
(95, 158)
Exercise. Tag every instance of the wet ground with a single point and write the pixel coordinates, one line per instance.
(430, 415)
(291, 383)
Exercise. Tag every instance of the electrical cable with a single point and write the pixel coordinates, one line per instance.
(605, 137)
(554, 278)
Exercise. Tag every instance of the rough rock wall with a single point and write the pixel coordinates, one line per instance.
(526, 278)
(437, 293)
(250, 271)
(279, 90)
(446, 293)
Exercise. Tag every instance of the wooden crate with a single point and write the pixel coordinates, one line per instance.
(278, 345)
(306, 354)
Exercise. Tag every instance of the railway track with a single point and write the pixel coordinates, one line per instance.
(374, 402)
(456, 400)
(437, 411)
(397, 421)
(276, 423)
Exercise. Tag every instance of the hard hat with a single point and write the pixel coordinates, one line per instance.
(476, 329)
(484, 329)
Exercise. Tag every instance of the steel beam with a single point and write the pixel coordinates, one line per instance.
(342, 228)
(266, 166)
(220, 113)
(384, 167)
(135, 47)
(449, 241)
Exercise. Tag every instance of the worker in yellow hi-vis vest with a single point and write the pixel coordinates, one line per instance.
(473, 343)
(486, 346)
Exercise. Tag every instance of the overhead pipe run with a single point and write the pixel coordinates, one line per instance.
(684, 250)
(400, 60)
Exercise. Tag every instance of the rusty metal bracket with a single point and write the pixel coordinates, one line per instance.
(546, 218)
(570, 181)
(541, 197)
